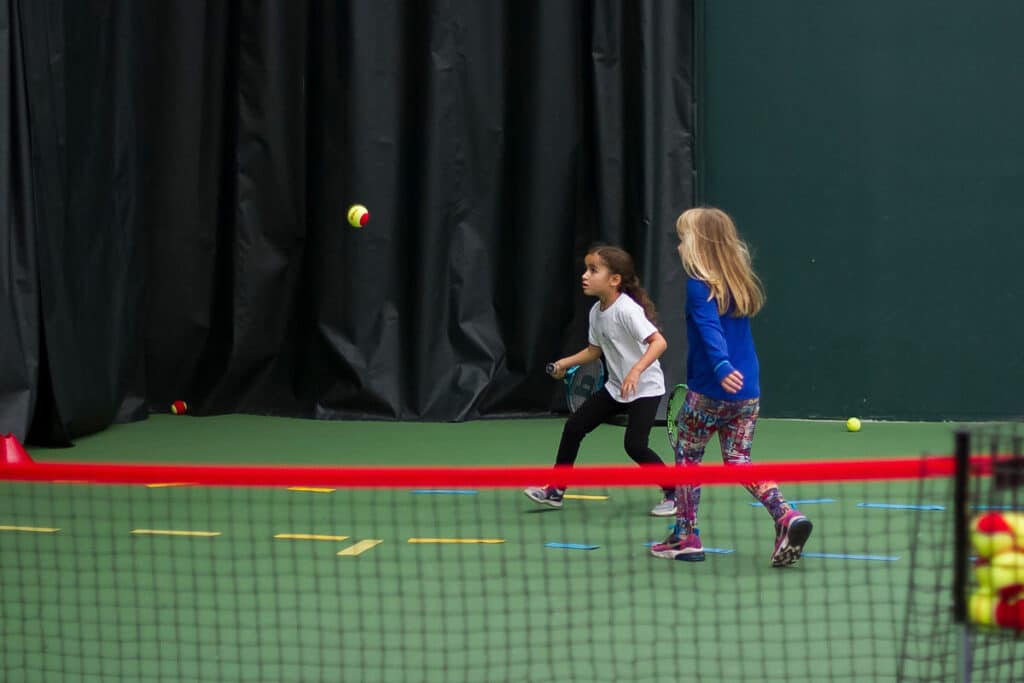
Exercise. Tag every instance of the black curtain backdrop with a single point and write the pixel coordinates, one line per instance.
(177, 176)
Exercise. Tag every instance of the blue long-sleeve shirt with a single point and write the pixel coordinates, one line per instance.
(717, 345)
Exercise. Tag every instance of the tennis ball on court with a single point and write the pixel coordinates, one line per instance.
(853, 425)
(179, 407)
(981, 608)
(993, 533)
(358, 216)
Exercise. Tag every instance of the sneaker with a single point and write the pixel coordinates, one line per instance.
(791, 533)
(666, 508)
(545, 495)
(687, 549)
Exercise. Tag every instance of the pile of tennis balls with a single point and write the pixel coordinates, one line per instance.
(998, 542)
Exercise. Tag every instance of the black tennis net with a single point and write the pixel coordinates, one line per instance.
(168, 573)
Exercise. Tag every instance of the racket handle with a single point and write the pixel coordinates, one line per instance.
(549, 368)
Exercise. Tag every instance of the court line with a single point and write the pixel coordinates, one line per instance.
(809, 501)
(360, 547)
(174, 532)
(578, 496)
(456, 540)
(900, 506)
(33, 529)
(311, 489)
(310, 537)
(842, 556)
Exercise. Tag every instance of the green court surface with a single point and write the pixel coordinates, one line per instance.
(94, 602)
(239, 439)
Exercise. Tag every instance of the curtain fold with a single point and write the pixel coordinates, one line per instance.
(190, 166)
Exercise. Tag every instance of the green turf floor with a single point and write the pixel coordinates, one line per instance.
(95, 603)
(256, 439)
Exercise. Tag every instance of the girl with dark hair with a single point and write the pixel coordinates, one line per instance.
(623, 331)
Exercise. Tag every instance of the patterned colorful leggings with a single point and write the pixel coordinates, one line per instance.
(735, 422)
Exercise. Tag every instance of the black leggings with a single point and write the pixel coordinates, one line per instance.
(597, 409)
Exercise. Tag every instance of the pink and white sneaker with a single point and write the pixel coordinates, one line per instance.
(687, 549)
(791, 533)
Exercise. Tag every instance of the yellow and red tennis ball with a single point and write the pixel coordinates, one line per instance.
(358, 216)
(993, 533)
(1006, 575)
(1009, 614)
(989, 609)
(179, 407)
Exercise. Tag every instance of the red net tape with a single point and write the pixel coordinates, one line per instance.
(490, 477)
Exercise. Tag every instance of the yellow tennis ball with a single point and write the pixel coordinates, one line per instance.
(982, 608)
(1007, 570)
(853, 425)
(983, 574)
(358, 216)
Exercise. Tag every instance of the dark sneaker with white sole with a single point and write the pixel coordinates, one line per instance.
(545, 495)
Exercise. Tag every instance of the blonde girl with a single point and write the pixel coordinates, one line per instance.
(722, 373)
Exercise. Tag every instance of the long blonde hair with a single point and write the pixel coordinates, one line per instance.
(712, 250)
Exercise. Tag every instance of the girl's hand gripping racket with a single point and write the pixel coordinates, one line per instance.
(581, 382)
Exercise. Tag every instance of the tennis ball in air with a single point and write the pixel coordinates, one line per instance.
(853, 425)
(179, 407)
(992, 533)
(358, 216)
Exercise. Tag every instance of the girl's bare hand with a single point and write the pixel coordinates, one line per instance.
(733, 382)
(629, 384)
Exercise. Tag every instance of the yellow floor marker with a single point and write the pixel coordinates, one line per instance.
(577, 496)
(172, 532)
(359, 548)
(310, 489)
(310, 537)
(34, 529)
(169, 484)
(456, 540)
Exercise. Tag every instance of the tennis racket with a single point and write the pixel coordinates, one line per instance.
(675, 406)
(581, 382)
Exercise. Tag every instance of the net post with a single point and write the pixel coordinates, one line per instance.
(961, 454)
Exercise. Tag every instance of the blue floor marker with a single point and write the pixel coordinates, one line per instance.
(997, 507)
(571, 546)
(719, 551)
(794, 503)
(900, 506)
(841, 556)
(457, 492)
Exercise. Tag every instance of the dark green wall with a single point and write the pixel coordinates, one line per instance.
(873, 156)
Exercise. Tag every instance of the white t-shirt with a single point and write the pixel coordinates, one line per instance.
(620, 331)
